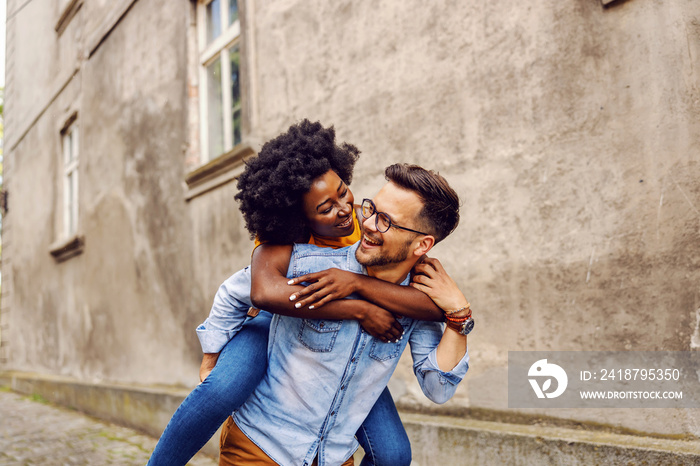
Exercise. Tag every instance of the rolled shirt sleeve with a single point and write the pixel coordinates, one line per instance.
(228, 313)
(439, 386)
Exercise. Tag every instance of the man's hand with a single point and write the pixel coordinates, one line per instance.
(380, 323)
(208, 363)
(325, 286)
(431, 278)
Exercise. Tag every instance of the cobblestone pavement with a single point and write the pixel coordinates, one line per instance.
(33, 432)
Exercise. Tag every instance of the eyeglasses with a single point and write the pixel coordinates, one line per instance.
(383, 221)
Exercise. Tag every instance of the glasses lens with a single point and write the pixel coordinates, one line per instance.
(367, 208)
(383, 222)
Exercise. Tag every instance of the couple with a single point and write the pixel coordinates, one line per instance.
(320, 381)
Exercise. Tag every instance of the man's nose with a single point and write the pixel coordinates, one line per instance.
(370, 223)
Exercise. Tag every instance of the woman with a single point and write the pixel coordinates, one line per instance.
(296, 190)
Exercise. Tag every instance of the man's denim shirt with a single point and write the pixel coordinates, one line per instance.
(228, 313)
(324, 376)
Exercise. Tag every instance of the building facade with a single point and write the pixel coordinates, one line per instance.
(570, 129)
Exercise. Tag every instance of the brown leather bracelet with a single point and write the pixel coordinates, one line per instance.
(457, 327)
(459, 319)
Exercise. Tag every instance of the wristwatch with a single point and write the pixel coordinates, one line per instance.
(463, 328)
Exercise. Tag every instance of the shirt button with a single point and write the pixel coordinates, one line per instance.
(352, 360)
(321, 325)
(332, 413)
(343, 387)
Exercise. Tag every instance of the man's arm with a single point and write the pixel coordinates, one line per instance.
(431, 278)
(228, 312)
(439, 365)
(438, 380)
(207, 365)
(227, 315)
(270, 291)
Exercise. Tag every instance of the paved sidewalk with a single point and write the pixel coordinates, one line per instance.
(33, 432)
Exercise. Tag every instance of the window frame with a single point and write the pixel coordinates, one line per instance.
(208, 53)
(70, 142)
(70, 242)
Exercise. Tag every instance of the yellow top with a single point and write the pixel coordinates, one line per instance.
(334, 241)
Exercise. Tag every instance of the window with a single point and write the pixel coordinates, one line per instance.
(70, 181)
(219, 31)
(69, 242)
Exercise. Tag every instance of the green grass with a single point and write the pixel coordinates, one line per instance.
(38, 398)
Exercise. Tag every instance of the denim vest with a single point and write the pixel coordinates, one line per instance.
(324, 376)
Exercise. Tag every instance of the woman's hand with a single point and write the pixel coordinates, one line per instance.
(324, 286)
(380, 323)
(430, 277)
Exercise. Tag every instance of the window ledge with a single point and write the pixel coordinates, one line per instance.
(217, 172)
(65, 249)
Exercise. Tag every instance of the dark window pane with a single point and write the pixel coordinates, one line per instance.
(236, 127)
(235, 57)
(232, 11)
(213, 20)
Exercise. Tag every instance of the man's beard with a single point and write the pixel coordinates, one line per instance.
(379, 260)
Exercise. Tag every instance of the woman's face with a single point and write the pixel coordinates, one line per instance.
(328, 206)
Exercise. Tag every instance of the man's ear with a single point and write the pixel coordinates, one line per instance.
(425, 244)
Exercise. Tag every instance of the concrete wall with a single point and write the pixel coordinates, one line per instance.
(109, 312)
(571, 132)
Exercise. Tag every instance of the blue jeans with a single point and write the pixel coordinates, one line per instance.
(239, 369)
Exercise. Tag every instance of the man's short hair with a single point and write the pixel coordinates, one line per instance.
(440, 213)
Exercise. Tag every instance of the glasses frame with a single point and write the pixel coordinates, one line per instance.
(378, 213)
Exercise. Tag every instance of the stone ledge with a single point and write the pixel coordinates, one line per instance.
(448, 440)
(435, 439)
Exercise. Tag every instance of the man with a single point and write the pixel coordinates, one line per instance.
(324, 376)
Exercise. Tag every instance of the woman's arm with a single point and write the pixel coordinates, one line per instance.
(333, 284)
(270, 291)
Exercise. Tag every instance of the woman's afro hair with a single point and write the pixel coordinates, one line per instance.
(272, 185)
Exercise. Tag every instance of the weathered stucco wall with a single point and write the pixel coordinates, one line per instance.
(125, 309)
(571, 132)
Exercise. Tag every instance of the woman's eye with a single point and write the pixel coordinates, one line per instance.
(327, 211)
(344, 194)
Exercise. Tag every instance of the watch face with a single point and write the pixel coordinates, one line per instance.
(467, 326)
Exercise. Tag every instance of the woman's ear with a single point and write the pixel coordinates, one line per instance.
(424, 245)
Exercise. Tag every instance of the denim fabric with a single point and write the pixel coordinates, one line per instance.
(382, 435)
(324, 376)
(242, 362)
(228, 313)
(238, 371)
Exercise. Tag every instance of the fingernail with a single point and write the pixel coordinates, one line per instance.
(297, 305)
(293, 297)
(311, 307)
(290, 282)
(404, 332)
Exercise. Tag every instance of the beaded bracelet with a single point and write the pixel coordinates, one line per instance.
(456, 311)
(451, 315)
